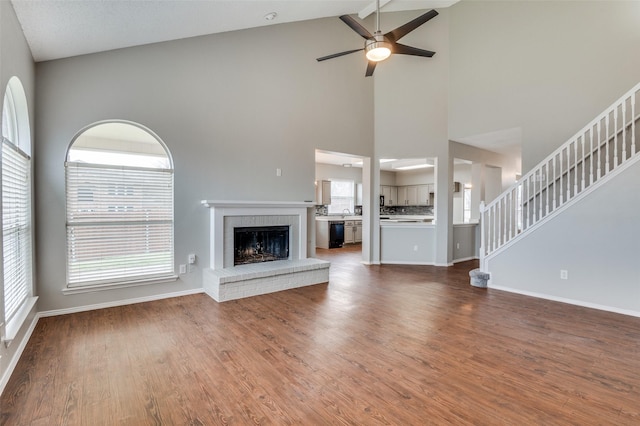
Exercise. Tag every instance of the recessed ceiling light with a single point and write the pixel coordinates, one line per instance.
(270, 16)
(416, 166)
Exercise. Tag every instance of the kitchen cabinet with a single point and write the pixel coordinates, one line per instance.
(402, 195)
(423, 195)
(323, 192)
(352, 231)
(390, 194)
(408, 195)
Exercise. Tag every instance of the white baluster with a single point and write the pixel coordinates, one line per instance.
(561, 192)
(503, 209)
(624, 130)
(606, 141)
(531, 208)
(599, 154)
(575, 167)
(539, 193)
(512, 213)
(592, 163)
(555, 184)
(615, 137)
(633, 124)
(546, 186)
(483, 229)
(583, 162)
(495, 228)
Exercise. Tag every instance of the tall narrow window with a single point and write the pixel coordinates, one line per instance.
(466, 203)
(16, 206)
(119, 207)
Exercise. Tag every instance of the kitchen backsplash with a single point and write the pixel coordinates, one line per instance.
(390, 210)
(407, 210)
(322, 210)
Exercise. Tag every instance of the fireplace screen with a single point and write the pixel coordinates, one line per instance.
(260, 244)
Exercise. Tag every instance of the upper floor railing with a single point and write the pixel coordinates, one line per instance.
(601, 147)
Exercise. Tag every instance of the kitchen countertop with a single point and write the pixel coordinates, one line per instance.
(334, 218)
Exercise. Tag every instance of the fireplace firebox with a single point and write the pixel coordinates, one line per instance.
(256, 244)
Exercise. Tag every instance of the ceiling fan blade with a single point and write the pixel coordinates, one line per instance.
(371, 66)
(405, 29)
(336, 55)
(401, 49)
(355, 26)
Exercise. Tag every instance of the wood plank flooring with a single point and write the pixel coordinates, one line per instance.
(388, 345)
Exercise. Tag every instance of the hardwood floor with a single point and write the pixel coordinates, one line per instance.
(408, 345)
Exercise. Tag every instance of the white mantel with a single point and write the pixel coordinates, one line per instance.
(256, 204)
(292, 213)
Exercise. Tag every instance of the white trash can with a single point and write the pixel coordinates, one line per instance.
(479, 278)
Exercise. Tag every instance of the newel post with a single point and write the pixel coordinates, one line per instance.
(482, 233)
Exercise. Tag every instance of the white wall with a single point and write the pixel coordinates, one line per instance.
(545, 67)
(15, 60)
(230, 107)
(595, 240)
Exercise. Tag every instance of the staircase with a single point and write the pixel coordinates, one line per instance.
(602, 149)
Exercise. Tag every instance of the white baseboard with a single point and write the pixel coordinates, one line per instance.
(18, 353)
(465, 259)
(569, 301)
(85, 308)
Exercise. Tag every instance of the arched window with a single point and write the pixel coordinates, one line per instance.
(16, 208)
(119, 184)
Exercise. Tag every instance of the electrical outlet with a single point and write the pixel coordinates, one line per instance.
(457, 246)
(192, 259)
(278, 172)
(564, 274)
(415, 248)
(183, 269)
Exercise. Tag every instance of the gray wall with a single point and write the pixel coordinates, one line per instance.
(231, 108)
(329, 171)
(545, 67)
(15, 60)
(595, 240)
(411, 110)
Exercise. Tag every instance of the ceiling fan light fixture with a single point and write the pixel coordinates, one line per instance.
(377, 49)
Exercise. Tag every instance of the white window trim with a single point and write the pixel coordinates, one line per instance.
(19, 135)
(12, 327)
(140, 280)
(120, 284)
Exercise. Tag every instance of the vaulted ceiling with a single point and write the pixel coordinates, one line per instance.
(65, 28)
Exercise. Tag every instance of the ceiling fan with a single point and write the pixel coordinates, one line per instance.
(378, 46)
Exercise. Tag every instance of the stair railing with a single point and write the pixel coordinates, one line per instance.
(601, 147)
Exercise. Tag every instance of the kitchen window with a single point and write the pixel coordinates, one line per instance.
(119, 180)
(342, 196)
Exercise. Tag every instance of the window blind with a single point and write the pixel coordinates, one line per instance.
(119, 224)
(16, 228)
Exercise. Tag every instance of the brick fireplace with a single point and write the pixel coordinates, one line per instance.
(226, 281)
